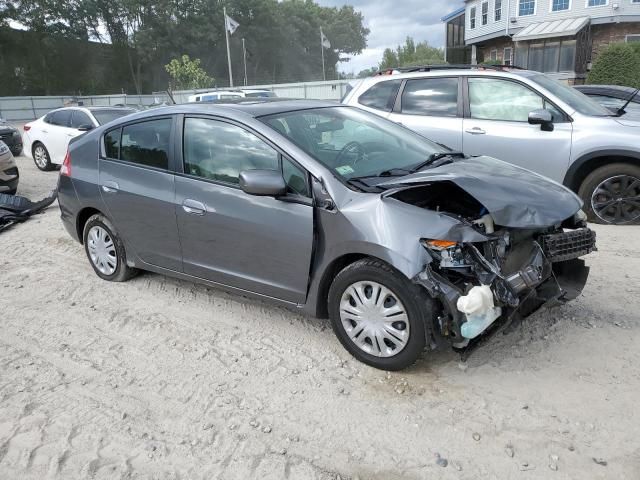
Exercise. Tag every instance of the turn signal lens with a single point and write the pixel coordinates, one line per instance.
(440, 243)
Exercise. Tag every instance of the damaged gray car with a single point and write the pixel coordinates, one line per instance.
(404, 244)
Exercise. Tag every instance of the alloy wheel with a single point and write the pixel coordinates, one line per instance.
(374, 319)
(102, 250)
(40, 156)
(617, 199)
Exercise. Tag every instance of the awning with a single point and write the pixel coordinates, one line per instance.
(555, 28)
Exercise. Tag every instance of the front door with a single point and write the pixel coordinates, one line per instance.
(497, 126)
(430, 107)
(258, 244)
(138, 187)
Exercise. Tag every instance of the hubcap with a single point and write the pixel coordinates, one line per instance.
(40, 156)
(374, 318)
(102, 251)
(617, 199)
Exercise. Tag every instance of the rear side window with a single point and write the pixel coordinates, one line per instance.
(220, 151)
(79, 119)
(147, 143)
(112, 143)
(437, 97)
(381, 96)
(62, 118)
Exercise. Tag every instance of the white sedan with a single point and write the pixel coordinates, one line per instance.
(47, 138)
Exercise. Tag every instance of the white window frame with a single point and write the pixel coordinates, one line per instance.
(535, 9)
(586, 4)
(484, 20)
(626, 37)
(493, 53)
(504, 55)
(551, 10)
(496, 10)
(472, 18)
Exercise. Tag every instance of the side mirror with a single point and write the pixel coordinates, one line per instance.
(85, 128)
(263, 182)
(542, 117)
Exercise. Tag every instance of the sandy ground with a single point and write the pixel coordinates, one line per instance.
(159, 378)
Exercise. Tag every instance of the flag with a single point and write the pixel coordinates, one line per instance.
(230, 24)
(324, 40)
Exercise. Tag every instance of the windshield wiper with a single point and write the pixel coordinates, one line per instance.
(435, 157)
(621, 111)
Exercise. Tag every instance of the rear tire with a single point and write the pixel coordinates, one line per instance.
(604, 192)
(41, 157)
(381, 337)
(105, 250)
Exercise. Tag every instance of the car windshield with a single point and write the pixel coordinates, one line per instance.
(572, 97)
(354, 143)
(105, 116)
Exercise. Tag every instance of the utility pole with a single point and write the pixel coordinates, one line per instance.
(324, 75)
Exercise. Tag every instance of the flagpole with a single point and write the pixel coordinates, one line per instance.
(226, 33)
(324, 75)
(244, 55)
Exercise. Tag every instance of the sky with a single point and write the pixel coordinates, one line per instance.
(391, 21)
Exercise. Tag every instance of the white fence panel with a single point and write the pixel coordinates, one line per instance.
(29, 108)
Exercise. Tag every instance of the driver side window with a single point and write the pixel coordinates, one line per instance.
(496, 99)
(220, 151)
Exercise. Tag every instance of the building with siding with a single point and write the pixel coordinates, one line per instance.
(558, 37)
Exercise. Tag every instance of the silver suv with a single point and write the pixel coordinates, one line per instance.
(522, 117)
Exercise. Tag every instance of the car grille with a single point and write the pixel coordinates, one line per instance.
(7, 138)
(562, 246)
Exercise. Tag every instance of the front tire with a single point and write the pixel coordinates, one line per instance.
(41, 157)
(611, 194)
(379, 315)
(105, 250)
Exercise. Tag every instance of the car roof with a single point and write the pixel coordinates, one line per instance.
(254, 107)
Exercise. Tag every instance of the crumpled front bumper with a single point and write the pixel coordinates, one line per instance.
(553, 273)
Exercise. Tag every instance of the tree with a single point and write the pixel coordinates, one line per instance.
(618, 64)
(411, 54)
(187, 74)
(368, 72)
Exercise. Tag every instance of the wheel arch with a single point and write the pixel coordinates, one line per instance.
(81, 220)
(589, 162)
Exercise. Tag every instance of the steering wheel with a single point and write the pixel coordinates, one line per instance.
(352, 147)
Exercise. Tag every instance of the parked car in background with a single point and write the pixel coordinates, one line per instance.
(230, 94)
(614, 97)
(10, 135)
(403, 243)
(9, 175)
(47, 138)
(522, 117)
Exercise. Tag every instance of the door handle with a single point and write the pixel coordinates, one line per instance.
(193, 207)
(475, 131)
(110, 187)
(45, 131)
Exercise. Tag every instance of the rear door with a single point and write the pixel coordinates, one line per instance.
(432, 106)
(57, 136)
(137, 184)
(259, 244)
(496, 124)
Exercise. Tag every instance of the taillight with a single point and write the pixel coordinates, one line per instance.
(27, 127)
(65, 169)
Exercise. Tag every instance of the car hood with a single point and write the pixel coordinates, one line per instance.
(513, 196)
(629, 120)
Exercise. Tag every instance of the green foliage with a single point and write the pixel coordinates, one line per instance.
(368, 72)
(411, 54)
(282, 37)
(618, 64)
(187, 74)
